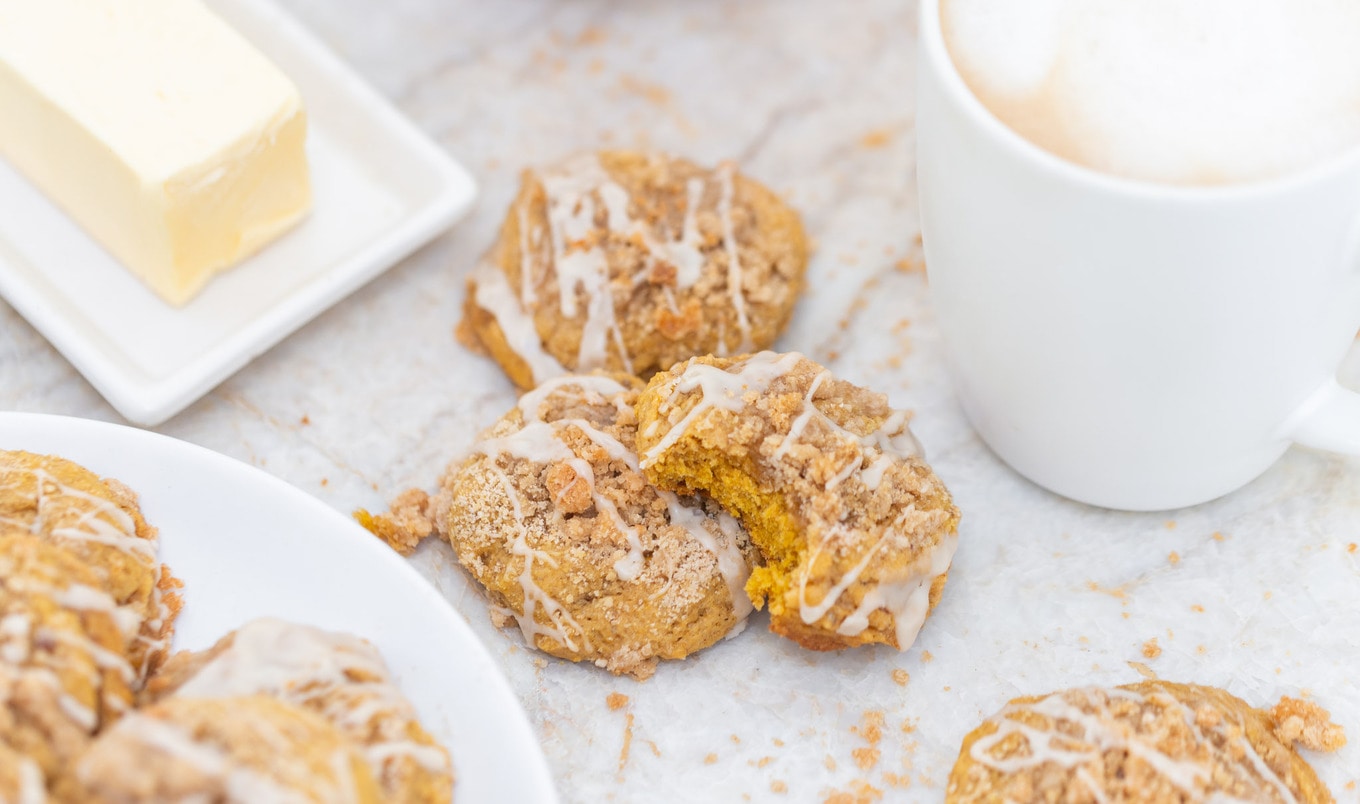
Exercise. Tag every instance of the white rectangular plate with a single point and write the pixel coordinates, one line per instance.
(381, 189)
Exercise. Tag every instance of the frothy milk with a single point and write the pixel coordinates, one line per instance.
(1173, 91)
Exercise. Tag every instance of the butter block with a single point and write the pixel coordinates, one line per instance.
(164, 133)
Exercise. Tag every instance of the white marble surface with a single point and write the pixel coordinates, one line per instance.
(816, 99)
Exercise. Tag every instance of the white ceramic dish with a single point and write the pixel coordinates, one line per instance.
(247, 545)
(381, 189)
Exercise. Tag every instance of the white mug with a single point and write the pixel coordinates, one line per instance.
(1128, 344)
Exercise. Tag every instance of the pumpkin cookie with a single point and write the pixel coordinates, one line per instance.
(233, 751)
(338, 676)
(64, 667)
(1151, 742)
(629, 262)
(100, 522)
(553, 517)
(856, 531)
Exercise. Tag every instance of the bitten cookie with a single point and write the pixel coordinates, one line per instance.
(857, 533)
(100, 522)
(1151, 742)
(552, 516)
(629, 262)
(338, 676)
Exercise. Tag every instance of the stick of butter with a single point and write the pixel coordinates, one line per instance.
(163, 132)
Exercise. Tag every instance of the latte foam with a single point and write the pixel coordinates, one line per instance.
(1173, 91)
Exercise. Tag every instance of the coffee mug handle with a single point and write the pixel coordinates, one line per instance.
(1329, 420)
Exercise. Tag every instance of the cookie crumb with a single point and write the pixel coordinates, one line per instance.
(1151, 649)
(1351, 548)
(711, 759)
(762, 762)
(1174, 558)
(901, 677)
(778, 786)
(1197, 608)
(876, 138)
(405, 525)
(1143, 670)
(829, 762)
(627, 741)
(1306, 723)
(616, 701)
(1171, 524)
(866, 758)
(926, 656)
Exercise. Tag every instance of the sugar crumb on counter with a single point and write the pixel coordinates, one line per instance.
(1170, 524)
(1306, 723)
(926, 657)
(1219, 537)
(829, 763)
(616, 701)
(778, 743)
(711, 759)
(901, 677)
(736, 740)
(1174, 558)
(1352, 547)
(779, 786)
(760, 763)
(1197, 608)
(1151, 649)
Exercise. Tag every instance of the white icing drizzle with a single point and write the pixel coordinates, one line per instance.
(731, 563)
(1102, 732)
(907, 599)
(735, 291)
(493, 294)
(32, 788)
(104, 658)
(720, 388)
(338, 675)
(103, 522)
(534, 596)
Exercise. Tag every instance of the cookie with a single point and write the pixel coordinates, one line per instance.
(629, 262)
(338, 676)
(231, 750)
(1152, 742)
(857, 533)
(65, 671)
(552, 516)
(100, 522)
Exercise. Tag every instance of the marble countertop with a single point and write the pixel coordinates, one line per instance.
(1258, 592)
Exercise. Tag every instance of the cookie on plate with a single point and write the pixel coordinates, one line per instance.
(232, 751)
(100, 522)
(338, 676)
(1153, 742)
(857, 533)
(552, 516)
(64, 665)
(629, 262)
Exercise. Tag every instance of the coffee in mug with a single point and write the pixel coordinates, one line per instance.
(1185, 92)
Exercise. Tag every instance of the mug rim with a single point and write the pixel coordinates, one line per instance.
(931, 45)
